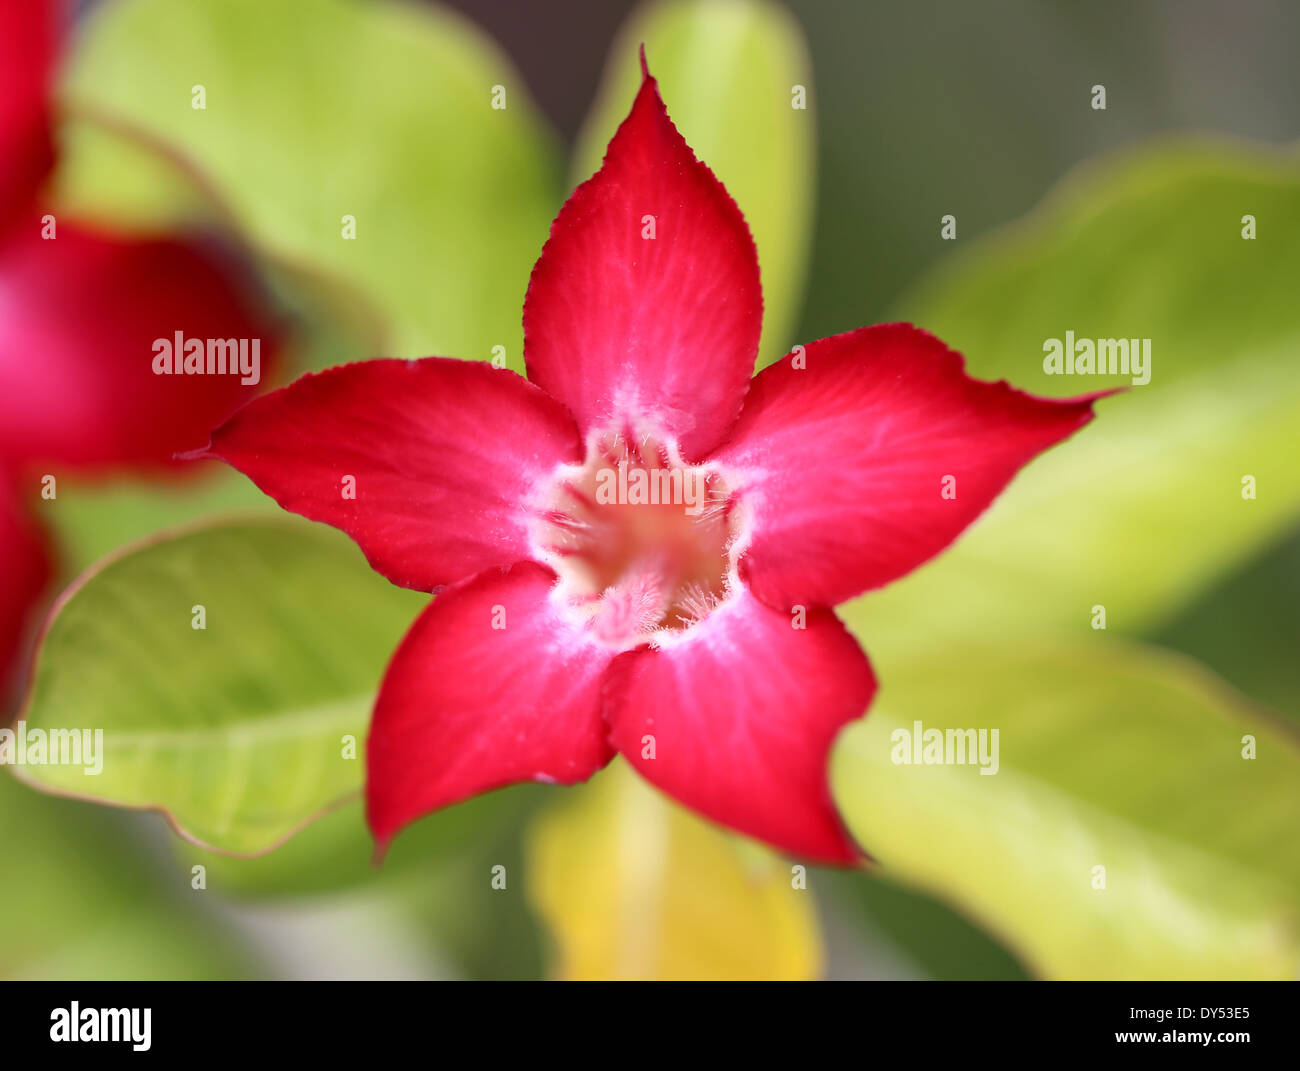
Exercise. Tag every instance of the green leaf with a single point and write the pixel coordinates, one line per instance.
(235, 730)
(632, 886)
(1108, 756)
(320, 109)
(1145, 505)
(727, 71)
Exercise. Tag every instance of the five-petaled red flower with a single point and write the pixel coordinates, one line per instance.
(578, 617)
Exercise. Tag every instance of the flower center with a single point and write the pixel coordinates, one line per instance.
(644, 544)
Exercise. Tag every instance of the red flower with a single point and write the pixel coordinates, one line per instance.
(688, 627)
(79, 312)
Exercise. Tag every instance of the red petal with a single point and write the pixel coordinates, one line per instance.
(28, 44)
(25, 570)
(626, 329)
(79, 315)
(844, 462)
(743, 713)
(466, 707)
(444, 454)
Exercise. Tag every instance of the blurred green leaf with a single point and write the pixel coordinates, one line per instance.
(235, 730)
(1145, 243)
(1109, 756)
(1144, 506)
(486, 928)
(92, 904)
(940, 940)
(142, 188)
(93, 518)
(1245, 627)
(337, 851)
(632, 886)
(320, 109)
(141, 185)
(727, 71)
(121, 176)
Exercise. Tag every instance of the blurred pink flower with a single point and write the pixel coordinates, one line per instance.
(79, 312)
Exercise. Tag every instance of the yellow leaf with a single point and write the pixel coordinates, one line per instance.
(633, 886)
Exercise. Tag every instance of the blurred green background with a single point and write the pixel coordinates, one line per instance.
(1122, 748)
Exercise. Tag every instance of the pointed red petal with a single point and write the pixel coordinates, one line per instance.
(741, 716)
(79, 316)
(490, 687)
(845, 462)
(623, 327)
(442, 456)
